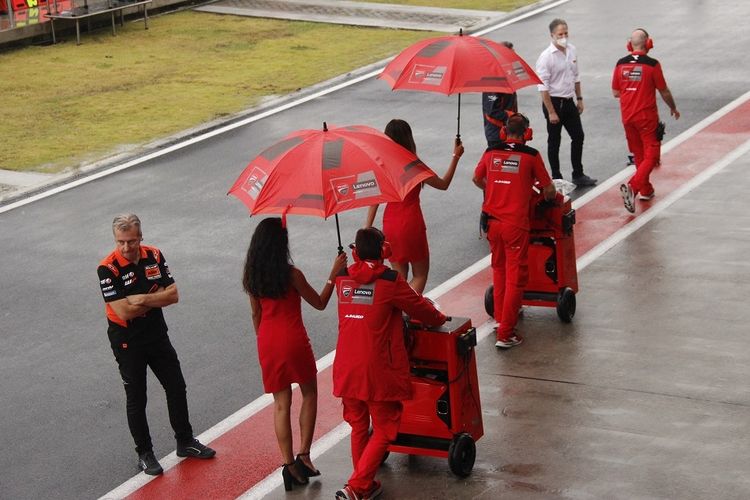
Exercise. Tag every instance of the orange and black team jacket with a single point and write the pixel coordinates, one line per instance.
(118, 278)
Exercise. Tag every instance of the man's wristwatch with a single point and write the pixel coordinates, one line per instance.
(579, 98)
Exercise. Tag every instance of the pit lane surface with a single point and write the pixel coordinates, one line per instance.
(63, 407)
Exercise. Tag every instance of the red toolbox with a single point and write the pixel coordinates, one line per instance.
(444, 417)
(553, 274)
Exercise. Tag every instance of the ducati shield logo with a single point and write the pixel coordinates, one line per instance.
(346, 291)
(255, 182)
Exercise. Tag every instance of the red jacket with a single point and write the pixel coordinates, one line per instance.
(371, 362)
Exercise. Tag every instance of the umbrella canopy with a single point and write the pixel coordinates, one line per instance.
(456, 64)
(324, 172)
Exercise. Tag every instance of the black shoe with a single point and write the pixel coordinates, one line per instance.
(289, 479)
(195, 449)
(584, 180)
(557, 175)
(302, 467)
(148, 463)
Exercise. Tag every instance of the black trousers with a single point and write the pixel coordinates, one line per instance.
(567, 111)
(162, 358)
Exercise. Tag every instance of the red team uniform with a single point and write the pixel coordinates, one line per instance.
(510, 171)
(637, 77)
(371, 368)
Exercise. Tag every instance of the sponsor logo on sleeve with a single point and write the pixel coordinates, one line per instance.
(105, 281)
(110, 293)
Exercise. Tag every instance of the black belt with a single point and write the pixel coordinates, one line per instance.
(561, 98)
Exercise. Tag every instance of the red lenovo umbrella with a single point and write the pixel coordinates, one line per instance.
(456, 64)
(324, 172)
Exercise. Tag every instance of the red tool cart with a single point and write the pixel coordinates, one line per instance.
(553, 274)
(444, 417)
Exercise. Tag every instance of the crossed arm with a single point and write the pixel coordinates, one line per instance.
(139, 304)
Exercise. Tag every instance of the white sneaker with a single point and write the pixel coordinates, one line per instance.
(628, 197)
(646, 197)
(510, 342)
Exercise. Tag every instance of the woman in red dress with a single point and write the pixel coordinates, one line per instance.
(403, 222)
(276, 288)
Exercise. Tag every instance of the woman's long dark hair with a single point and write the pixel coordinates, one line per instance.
(268, 266)
(400, 132)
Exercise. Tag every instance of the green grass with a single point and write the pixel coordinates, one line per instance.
(64, 105)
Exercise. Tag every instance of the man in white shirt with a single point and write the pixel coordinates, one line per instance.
(562, 103)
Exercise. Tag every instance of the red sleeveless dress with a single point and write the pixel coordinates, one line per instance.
(284, 349)
(405, 230)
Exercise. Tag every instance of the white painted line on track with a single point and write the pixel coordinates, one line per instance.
(620, 177)
(658, 208)
(322, 445)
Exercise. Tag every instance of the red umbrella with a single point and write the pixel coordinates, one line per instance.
(458, 63)
(324, 172)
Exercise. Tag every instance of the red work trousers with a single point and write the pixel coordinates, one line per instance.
(509, 245)
(641, 136)
(368, 450)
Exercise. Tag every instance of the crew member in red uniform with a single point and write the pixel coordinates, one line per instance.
(136, 284)
(371, 367)
(507, 175)
(635, 80)
(403, 222)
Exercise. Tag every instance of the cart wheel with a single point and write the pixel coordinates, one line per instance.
(566, 305)
(489, 301)
(461, 455)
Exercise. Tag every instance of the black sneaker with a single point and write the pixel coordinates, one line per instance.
(584, 180)
(195, 449)
(148, 463)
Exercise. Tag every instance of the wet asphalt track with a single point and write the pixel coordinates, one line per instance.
(63, 422)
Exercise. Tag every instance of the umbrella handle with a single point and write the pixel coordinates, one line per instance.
(338, 233)
(458, 118)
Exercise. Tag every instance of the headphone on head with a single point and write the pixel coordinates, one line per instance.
(385, 248)
(649, 41)
(528, 133)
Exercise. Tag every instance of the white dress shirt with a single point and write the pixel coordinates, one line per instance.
(558, 71)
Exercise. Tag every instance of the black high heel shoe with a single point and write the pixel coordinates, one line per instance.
(301, 466)
(289, 479)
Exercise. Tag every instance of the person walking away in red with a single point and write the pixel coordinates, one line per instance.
(276, 287)
(507, 175)
(371, 367)
(635, 80)
(403, 222)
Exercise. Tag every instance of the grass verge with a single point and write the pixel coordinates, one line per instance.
(65, 105)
